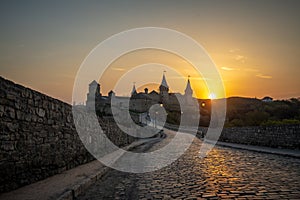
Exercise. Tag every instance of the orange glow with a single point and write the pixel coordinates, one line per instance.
(212, 96)
(256, 53)
(177, 72)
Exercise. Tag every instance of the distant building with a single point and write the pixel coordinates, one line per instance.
(267, 99)
(140, 102)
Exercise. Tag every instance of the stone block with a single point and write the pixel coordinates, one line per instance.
(7, 145)
(1, 110)
(30, 101)
(28, 117)
(77, 190)
(20, 115)
(68, 195)
(40, 112)
(45, 104)
(34, 118)
(12, 126)
(10, 112)
(11, 96)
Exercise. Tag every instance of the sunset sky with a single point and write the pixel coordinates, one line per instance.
(254, 44)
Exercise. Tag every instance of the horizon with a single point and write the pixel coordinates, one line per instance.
(141, 90)
(254, 45)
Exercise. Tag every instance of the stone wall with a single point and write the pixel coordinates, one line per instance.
(38, 138)
(280, 136)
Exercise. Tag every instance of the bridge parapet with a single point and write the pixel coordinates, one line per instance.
(38, 137)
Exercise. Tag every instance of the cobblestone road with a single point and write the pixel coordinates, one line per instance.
(224, 174)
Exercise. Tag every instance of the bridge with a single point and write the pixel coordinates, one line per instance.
(42, 157)
(226, 173)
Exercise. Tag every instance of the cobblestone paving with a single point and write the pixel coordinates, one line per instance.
(224, 174)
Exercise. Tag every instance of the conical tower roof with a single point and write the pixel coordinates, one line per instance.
(164, 85)
(188, 89)
(164, 82)
(133, 92)
(93, 83)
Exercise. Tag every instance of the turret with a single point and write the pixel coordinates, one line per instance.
(188, 93)
(111, 94)
(163, 86)
(164, 90)
(94, 95)
(188, 89)
(94, 88)
(133, 92)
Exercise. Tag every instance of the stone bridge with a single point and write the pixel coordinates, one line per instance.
(38, 140)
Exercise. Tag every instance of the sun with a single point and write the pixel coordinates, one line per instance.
(212, 96)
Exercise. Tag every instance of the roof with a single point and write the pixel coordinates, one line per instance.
(164, 82)
(175, 94)
(153, 92)
(93, 83)
(188, 88)
(133, 90)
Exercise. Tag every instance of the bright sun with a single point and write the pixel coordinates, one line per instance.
(212, 96)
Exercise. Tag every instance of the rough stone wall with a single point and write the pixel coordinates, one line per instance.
(38, 138)
(280, 136)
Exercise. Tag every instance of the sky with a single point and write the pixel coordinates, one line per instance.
(254, 44)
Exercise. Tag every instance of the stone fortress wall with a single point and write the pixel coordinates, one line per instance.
(38, 137)
(280, 136)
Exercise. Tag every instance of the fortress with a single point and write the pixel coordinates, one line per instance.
(140, 102)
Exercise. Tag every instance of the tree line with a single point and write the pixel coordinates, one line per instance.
(255, 112)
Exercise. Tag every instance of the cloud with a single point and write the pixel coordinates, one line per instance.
(234, 50)
(258, 73)
(263, 76)
(118, 69)
(240, 58)
(227, 68)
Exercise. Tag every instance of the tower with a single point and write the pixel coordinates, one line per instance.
(111, 94)
(94, 95)
(164, 90)
(188, 92)
(188, 89)
(133, 92)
